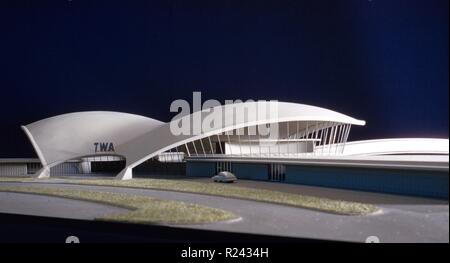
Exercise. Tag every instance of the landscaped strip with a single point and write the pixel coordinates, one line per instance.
(142, 209)
(303, 201)
(15, 179)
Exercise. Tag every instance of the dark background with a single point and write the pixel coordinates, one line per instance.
(384, 61)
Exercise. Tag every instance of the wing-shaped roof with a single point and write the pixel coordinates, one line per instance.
(72, 135)
(161, 139)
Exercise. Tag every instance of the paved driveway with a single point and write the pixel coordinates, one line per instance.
(50, 206)
(399, 222)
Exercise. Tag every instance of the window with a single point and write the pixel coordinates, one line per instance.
(277, 172)
(223, 166)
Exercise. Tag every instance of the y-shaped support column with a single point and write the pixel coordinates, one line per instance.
(125, 174)
(43, 173)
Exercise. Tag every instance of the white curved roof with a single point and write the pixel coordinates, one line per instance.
(72, 135)
(161, 139)
(139, 138)
(288, 111)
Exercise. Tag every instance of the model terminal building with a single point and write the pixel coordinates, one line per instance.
(311, 147)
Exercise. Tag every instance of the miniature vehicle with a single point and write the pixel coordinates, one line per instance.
(224, 177)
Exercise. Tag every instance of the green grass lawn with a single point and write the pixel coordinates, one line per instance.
(304, 201)
(142, 209)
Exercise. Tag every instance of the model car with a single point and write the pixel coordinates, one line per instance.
(224, 177)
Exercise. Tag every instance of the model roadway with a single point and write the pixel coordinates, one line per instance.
(421, 221)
